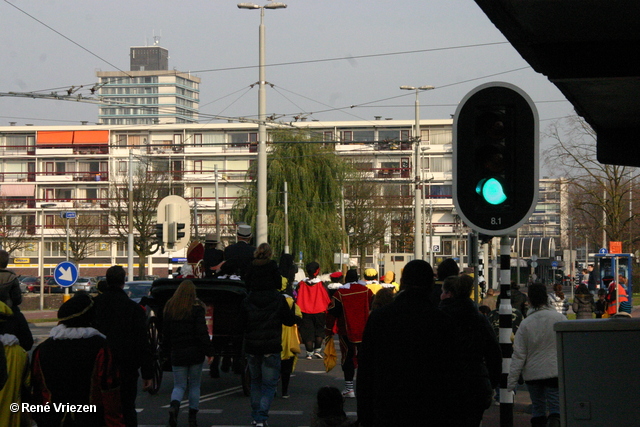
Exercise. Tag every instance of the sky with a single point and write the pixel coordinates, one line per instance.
(323, 56)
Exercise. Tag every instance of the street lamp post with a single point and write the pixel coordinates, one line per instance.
(43, 206)
(418, 172)
(261, 217)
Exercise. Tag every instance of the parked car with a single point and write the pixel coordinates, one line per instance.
(86, 284)
(50, 286)
(27, 281)
(53, 286)
(138, 289)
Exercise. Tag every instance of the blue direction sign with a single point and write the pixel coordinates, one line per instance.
(65, 274)
(67, 215)
(554, 264)
(603, 251)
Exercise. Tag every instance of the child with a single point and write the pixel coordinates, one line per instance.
(601, 304)
(329, 409)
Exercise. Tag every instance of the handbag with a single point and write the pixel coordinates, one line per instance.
(330, 355)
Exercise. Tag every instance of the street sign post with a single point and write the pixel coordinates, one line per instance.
(65, 274)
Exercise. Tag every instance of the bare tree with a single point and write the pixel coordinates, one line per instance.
(149, 187)
(84, 234)
(16, 230)
(599, 194)
(367, 214)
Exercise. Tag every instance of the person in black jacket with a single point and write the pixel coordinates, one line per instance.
(481, 358)
(124, 324)
(212, 255)
(448, 267)
(519, 300)
(408, 372)
(264, 311)
(186, 339)
(92, 380)
(241, 252)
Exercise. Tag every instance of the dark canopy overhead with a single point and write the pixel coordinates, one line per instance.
(590, 49)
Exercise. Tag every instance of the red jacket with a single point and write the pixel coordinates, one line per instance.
(312, 297)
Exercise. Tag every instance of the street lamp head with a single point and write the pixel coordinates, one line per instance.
(275, 5)
(248, 6)
(47, 205)
(417, 88)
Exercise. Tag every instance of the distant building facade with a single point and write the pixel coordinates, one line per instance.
(149, 93)
(77, 168)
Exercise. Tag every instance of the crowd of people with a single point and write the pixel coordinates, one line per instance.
(448, 343)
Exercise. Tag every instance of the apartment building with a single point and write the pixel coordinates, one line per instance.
(149, 93)
(46, 171)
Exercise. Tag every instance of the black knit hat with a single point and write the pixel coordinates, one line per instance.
(313, 268)
(77, 312)
(352, 276)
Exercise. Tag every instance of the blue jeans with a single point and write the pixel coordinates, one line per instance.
(265, 371)
(183, 375)
(544, 398)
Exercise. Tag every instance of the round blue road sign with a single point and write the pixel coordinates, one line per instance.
(65, 274)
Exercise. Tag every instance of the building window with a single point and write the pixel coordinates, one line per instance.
(441, 164)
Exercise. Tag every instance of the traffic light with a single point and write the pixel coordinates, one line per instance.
(180, 234)
(171, 238)
(161, 233)
(495, 158)
(175, 236)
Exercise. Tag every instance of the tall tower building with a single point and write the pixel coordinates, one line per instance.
(149, 93)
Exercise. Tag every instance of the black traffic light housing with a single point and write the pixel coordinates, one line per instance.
(160, 233)
(495, 158)
(180, 234)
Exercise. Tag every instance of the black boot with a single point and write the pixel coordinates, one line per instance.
(192, 417)
(539, 421)
(553, 420)
(173, 413)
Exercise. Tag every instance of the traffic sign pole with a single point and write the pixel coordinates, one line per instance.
(506, 346)
(66, 296)
(67, 216)
(65, 275)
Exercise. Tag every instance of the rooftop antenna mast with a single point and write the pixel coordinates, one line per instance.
(156, 39)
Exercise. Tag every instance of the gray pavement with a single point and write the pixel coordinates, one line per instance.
(521, 411)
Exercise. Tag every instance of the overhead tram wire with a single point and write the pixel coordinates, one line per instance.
(63, 36)
(373, 55)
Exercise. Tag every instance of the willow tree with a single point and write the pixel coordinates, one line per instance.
(600, 195)
(314, 175)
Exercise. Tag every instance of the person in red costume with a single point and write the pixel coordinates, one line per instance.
(350, 306)
(313, 301)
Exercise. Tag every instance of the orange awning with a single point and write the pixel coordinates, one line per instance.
(54, 137)
(91, 137)
(78, 137)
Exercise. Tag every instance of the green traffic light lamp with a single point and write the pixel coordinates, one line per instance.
(491, 191)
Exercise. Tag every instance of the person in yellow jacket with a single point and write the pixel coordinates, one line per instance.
(371, 279)
(18, 380)
(290, 341)
(390, 281)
